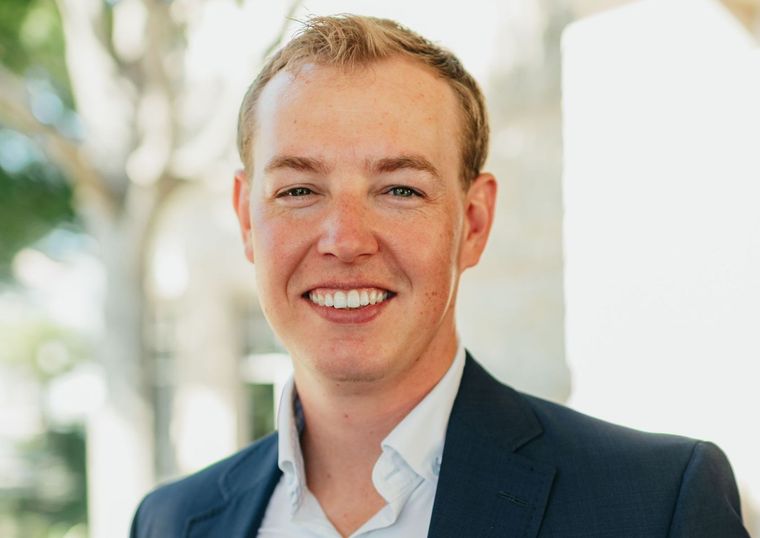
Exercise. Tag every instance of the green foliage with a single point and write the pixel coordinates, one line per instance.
(34, 197)
(51, 498)
(31, 40)
(261, 401)
(43, 348)
(46, 494)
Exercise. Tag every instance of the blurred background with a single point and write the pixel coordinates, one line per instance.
(622, 275)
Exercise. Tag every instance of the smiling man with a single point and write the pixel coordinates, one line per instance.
(361, 202)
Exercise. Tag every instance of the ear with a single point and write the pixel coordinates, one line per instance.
(241, 202)
(480, 202)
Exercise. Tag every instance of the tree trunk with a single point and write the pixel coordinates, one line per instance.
(121, 430)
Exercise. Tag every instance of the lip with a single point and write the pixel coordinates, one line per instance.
(349, 316)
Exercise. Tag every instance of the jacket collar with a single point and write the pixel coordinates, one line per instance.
(485, 488)
(243, 494)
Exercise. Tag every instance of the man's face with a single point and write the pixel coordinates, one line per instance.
(357, 222)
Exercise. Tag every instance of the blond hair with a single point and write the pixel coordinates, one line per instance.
(352, 41)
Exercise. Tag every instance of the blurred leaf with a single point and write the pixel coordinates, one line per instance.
(31, 40)
(45, 348)
(34, 197)
(55, 495)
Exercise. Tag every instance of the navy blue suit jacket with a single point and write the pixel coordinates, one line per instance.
(513, 466)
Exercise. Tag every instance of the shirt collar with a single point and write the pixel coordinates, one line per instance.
(418, 439)
(290, 457)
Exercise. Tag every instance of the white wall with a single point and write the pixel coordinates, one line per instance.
(662, 224)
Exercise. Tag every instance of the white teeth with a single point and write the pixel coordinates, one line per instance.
(355, 298)
(339, 300)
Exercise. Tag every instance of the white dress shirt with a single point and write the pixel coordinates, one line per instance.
(405, 474)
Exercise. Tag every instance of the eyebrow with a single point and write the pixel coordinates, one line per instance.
(402, 162)
(386, 165)
(300, 164)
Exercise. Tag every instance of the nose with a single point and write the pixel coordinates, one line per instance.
(347, 232)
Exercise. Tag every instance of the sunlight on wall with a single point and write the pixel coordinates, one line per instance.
(169, 275)
(273, 368)
(70, 290)
(72, 397)
(110, 450)
(661, 226)
(196, 447)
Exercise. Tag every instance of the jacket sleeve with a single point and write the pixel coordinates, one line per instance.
(144, 524)
(158, 515)
(133, 531)
(708, 501)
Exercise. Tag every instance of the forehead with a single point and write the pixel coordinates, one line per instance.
(392, 106)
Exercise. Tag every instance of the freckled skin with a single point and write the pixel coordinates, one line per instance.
(353, 229)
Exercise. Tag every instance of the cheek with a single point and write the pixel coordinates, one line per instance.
(429, 249)
(278, 245)
(440, 238)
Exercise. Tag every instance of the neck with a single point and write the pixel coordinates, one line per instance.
(344, 426)
(347, 421)
(354, 424)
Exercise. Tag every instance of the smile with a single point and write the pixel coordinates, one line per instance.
(349, 299)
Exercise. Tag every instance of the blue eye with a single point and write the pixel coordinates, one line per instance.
(403, 192)
(295, 192)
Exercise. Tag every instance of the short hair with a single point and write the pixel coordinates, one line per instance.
(352, 41)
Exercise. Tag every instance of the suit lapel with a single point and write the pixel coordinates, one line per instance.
(484, 487)
(245, 491)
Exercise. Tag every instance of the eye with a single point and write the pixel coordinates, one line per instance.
(403, 192)
(295, 192)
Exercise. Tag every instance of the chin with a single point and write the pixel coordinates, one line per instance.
(349, 369)
(355, 377)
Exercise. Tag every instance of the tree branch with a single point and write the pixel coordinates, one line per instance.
(104, 99)
(161, 32)
(60, 150)
(207, 143)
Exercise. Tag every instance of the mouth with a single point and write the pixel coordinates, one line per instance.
(348, 299)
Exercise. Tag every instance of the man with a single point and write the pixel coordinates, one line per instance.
(361, 203)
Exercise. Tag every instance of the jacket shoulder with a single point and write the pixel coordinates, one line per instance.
(604, 454)
(660, 483)
(572, 430)
(165, 510)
